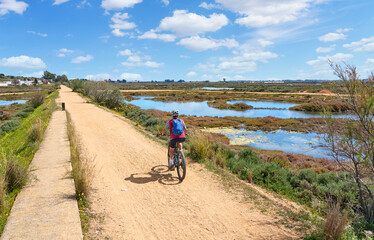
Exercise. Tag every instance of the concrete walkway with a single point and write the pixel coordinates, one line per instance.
(46, 208)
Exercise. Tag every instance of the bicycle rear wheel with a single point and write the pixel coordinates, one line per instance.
(181, 167)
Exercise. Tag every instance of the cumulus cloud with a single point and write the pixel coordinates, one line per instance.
(264, 43)
(134, 60)
(183, 23)
(22, 62)
(199, 44)
(126, 52)
(58, 2)
(118, 4)
(322, 62)
(80, 59)
(153, 35)
(364, 45)
(191, 74)
(12, 5)
(241, 63)
(332, 37)
(259, 13)
(325, 49)
(120, 23)
(131, 76)
(99, 77)
(65, 50)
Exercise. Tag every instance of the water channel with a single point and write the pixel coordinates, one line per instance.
(4, 102)
(201, 109)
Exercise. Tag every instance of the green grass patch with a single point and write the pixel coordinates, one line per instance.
(20, 147)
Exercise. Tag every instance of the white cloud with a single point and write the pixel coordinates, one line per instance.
(118, 4)
(199, 44)
(331, 37)
(209, 5)
(120, 23)
(83, 4)
(125, 52)
(325, 49)
(39, 34)
(322, 62)
(364, 45)
(12, 5)
(61, 55)
(191, 74)
(80, 59)
(264, 43)
(65, 50)
(259, 13)
(153, 35)
(241, 63)
(166, 2)
(34, 74)
(183, 23)
(131, 76)
(135, 60)
(184, 56)
(342, 30)
(99, 77)
(58, 2)
(22, 62)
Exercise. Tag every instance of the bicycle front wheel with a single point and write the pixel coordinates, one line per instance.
(181, 167)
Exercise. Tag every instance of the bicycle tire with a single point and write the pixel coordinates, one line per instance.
(181, 167)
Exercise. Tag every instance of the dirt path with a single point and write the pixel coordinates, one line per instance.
(46, 208)
(134, 197)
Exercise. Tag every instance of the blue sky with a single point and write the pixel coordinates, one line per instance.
(191, 40)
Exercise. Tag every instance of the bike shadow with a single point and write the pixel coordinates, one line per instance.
(159, 173)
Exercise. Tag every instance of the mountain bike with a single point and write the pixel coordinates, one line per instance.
(179, 162)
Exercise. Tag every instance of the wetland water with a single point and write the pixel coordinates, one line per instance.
(289, 142)
(201, 109)
(3, 102)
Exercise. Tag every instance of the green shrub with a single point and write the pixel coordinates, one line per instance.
(37, 99)
(22, 114)
(10, 126)
(76, 84)
(28, 109)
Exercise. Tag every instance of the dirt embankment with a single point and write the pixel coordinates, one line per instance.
(134, 197)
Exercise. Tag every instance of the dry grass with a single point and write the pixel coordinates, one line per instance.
(83, 169)
(36, 133)
(16, 175)
(335, 223)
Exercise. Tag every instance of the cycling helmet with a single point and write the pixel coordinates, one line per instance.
(175, 112)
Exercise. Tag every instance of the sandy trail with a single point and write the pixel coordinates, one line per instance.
(134, 197)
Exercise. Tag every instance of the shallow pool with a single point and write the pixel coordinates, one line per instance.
(289, 142)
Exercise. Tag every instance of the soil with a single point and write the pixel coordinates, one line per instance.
(135, 197)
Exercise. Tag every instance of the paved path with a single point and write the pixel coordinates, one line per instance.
(46, 208)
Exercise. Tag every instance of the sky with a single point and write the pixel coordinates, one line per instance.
(186, 39)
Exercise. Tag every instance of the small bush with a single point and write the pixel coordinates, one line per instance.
(22, 114)
(36, 132)
(335, 223)
(16, 175)
(28, 109)
(10, 126)
(76, 84)
(37, 99)
(199, 145)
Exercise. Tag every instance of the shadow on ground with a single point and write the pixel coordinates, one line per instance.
(159, 173)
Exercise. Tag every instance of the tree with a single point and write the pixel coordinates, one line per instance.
(353, 147)
(49, 76)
